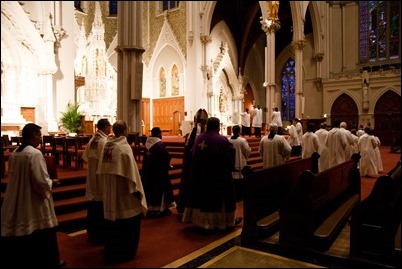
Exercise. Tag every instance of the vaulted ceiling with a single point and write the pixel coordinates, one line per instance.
(243, 20)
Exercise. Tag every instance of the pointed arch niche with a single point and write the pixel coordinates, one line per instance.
(175, 81)
(345, 109)
(387, 119)
(162, 82)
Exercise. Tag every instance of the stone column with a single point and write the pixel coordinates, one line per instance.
(298, 49)
(207, 73)
(129, 64)
(270, 26)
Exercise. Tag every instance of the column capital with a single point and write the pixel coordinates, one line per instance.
(318, 56)
(270, 25)
(298, 44)
(129, 49)
(318, 83)
(205, 39)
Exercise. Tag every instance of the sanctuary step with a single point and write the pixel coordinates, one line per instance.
(69, 197)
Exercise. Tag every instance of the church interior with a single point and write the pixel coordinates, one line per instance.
(313, 60)
(155, 63)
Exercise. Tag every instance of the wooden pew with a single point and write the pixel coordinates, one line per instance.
(316, 210)
(264, 191)
(376, 222)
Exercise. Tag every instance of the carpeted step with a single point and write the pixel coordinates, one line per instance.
(70, 205)
(72, 180)
(255, 159)
(72, 222)
(65, 192)
(177, 155)
(175, 183)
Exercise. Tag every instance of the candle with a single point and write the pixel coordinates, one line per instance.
(303, 100)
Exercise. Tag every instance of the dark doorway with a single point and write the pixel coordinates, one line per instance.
(387, 118)
(345, 109)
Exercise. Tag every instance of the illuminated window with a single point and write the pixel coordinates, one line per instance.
(288, 90)
(379, 34)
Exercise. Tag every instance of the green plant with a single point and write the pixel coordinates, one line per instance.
(71, 119)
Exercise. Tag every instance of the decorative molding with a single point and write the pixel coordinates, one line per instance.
(59, 33)
(205, 39)
(298, 44)
(318, 83)
(167, 36)
(318, 56)
(269, 25)
(190, 37)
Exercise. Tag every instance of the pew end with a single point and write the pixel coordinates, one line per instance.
(376, 223)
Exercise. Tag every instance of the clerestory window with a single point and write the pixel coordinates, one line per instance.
(167, 5)
(379, 36)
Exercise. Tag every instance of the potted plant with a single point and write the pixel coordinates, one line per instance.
(71, 119)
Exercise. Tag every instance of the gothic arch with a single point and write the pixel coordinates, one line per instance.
(316, 24)
(221, 33)
(387, 117)
(379, 93)
(166, 52)
(345, 109)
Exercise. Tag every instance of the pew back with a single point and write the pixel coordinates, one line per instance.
(264, 193)
(315, 211)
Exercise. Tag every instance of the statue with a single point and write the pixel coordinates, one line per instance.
(366, 85)
(273, 8)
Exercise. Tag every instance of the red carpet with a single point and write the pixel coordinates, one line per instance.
(389, 161)
(163, 240)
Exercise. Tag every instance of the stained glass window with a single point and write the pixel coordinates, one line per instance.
(379, 32)
(288, 90)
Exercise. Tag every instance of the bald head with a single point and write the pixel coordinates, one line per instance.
(343, 125)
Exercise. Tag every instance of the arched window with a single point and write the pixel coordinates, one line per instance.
(113, 8)
(379, 33)
(167, 5)
(288, 90)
